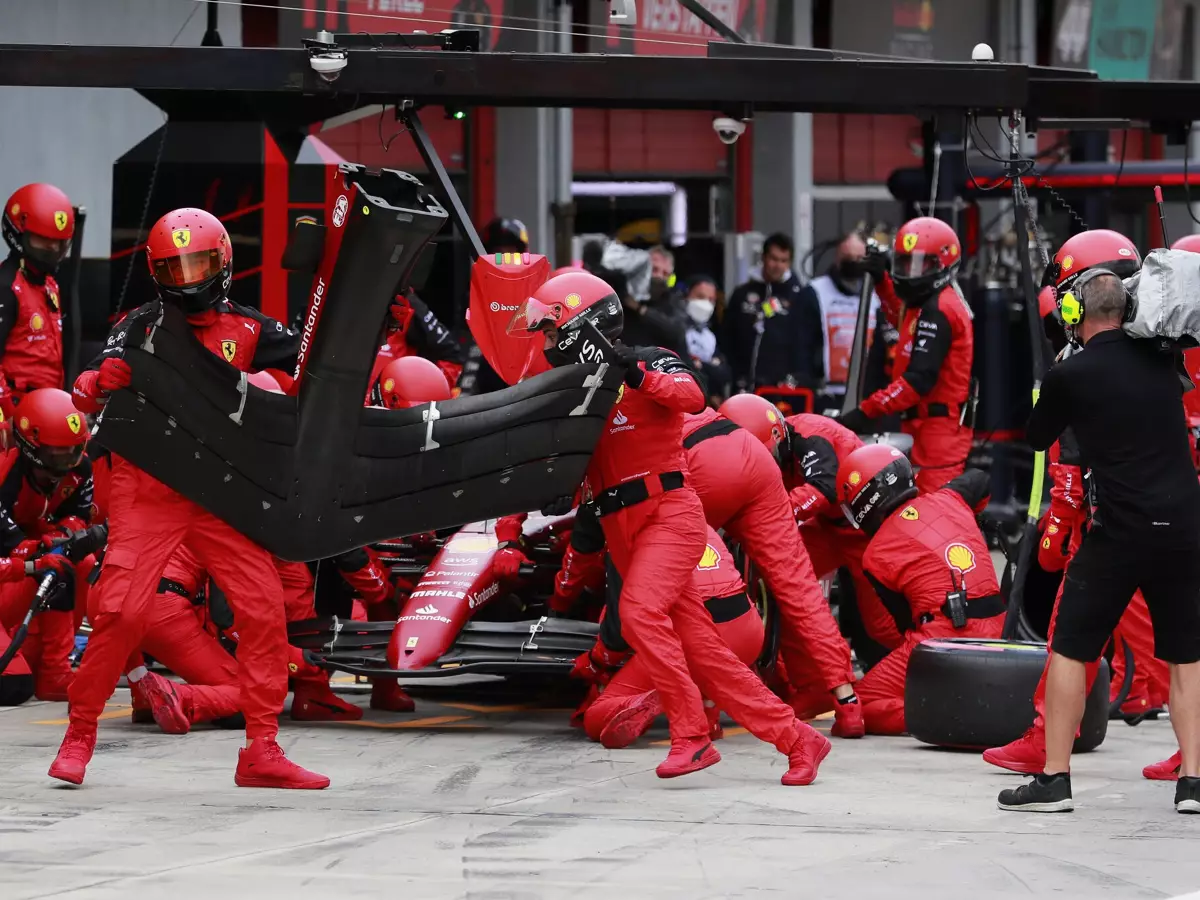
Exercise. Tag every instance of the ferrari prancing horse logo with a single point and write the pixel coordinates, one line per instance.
(182, 237)
(909, 242)
(74, 423)
(60, 220)
(229, 350)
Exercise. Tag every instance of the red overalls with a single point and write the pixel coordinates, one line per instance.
(923, 550)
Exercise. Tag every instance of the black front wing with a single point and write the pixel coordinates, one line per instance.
(546, 646)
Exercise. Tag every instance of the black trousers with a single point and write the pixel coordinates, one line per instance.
(1101, 579)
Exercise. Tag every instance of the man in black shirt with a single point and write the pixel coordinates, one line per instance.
(773, 328)
(1122, 398)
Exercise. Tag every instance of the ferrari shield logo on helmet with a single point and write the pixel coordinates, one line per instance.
(229, 350)
(182, 237)
(909, 242)
(60, 220)
(74, 422)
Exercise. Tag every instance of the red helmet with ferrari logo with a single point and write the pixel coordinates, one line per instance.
(191, 259)
(757, 415)
(50, 431)
(871, 482)
(38, 225)
(1099, 249)
(563, 304)
(925, 258)
(411, 381)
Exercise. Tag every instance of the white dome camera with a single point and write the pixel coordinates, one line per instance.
(728, 130)
(324, 56)
(982, 53)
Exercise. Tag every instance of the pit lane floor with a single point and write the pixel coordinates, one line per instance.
(479, 795)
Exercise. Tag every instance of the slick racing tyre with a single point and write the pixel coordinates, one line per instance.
(15, 689)
(973, 694)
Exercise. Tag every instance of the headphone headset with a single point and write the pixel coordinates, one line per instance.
(671, 279)
(1071, 305)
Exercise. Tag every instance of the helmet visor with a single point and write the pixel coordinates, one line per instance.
(532, 315)
(915, 265)
(189, 268)
(60, 460)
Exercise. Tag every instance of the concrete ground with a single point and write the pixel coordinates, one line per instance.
(479, 795)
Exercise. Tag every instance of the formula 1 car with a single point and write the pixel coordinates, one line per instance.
(460, 617)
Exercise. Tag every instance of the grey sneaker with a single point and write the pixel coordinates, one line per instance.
(1046, 793)
(1187, 795)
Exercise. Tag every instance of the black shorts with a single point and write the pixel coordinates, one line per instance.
(1100, 581)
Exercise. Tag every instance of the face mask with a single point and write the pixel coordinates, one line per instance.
(849, 273)
(658, 287)
(700, 311)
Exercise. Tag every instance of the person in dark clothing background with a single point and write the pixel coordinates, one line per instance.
(706, 354)
(593, 261)
(773, 329)
(1122, 399)
(659, 320)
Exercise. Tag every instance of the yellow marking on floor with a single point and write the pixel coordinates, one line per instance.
(823, 716)
(343, 679)
(112, 712)
(480, 708)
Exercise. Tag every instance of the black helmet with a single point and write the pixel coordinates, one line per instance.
(500, 235)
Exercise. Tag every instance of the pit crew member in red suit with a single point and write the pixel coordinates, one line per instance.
(38, 224)
(190, 257)
(179, 639)
(738, 483)
(627, 703)
(1067, 516)
(654, 527)
(413, 330)
(809, 449)
(928, 561)
(45, 494)
(931, 373)
(411, 381)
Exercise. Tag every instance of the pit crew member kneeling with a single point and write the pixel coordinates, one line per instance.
(928, 561)
(623, 703)
(45, 495)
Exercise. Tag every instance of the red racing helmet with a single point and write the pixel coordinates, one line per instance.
(871, 482)
(1099, 249)
(50, 431)
(191, 259)
(1189, 242)
(757, 415)
(925, 258)
(564, 303)
(411, 381)
(265, 381)
(38, 225)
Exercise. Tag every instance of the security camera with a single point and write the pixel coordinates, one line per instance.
(728, 130)
(329, 65)
(325, 57)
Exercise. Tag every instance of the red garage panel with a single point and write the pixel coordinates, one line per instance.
(359, 141)
(638, 143)
(863, 149)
